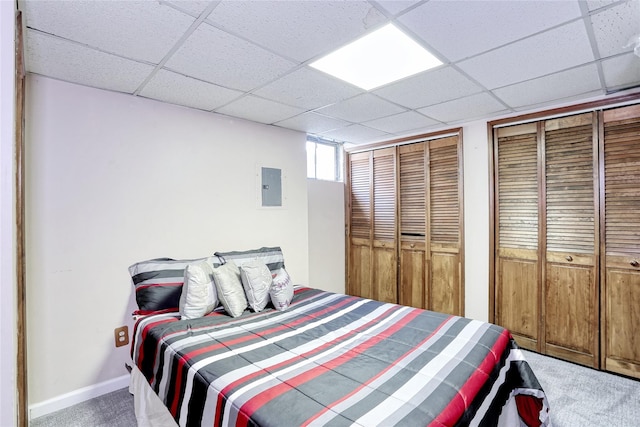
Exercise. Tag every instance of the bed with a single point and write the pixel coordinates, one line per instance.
(331, 360)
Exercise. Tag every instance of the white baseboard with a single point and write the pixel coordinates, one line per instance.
(77, 396)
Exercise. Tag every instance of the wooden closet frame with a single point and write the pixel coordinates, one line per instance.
(618, 101)
(425, 137)
(22, 407)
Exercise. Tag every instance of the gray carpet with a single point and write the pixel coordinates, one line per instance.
(578, 397)
(113, 409)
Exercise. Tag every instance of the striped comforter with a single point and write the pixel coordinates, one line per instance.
(337, 360)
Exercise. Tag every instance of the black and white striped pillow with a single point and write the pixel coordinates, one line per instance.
(271, 256)
(158, 282)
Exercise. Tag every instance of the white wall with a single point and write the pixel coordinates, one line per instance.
(114, 179)
(8, 358)
(326, 235)
(475, 152)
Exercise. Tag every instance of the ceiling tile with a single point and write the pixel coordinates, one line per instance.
(193, 7)
(553, 87)
(361, 108)
(532, 52)
(308, 89)
(312, 123)
(356, 134)
(614, 27)
(178, 89)
(215, 56)
(259, 110)
(555, 50)
(428, 88)
(471, 107)
(71, 62)
(402, 122)
(460, 29)
(621, 71)
(112, 25)
(397, 6)
(598, 4)
(300, 30)
(565, 101)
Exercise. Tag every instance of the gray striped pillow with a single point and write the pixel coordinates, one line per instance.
(158, 282)
(271, 256)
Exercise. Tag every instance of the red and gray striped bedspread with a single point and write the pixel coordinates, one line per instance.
(336, 360)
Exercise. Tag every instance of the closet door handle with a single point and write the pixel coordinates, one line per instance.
(413, 245)
(569, 258)
(634, 263)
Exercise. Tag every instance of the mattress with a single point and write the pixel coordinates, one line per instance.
(336, 360)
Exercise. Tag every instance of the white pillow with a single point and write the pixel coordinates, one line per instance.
(199, 296)
(281, 291)
(256, 280)
(229, 287)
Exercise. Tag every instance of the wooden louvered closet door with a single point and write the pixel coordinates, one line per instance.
(360, 237)
(444, 254)
(620, 281)
(384, 263)
(413, 289)
(405, 236)
(571, 239)
(517, 280)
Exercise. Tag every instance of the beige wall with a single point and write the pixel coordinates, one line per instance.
(326, 235)
(114, 179)
(476, 219)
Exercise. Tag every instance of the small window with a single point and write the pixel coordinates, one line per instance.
(324, 159)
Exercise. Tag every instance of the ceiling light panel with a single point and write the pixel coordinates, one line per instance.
(381, 57)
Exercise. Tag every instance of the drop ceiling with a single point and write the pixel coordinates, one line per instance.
(250, 59)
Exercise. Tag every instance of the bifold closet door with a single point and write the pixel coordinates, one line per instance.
(360, 226)
(620, 149)
(517, 279)
(384, 257)
(444, 252)
(571, 229)
(412, 176)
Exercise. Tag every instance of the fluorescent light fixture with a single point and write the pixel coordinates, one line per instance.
(381, 57)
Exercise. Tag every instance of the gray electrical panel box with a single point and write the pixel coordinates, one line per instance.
(271, 187)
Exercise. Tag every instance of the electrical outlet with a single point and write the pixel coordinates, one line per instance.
(122, 336)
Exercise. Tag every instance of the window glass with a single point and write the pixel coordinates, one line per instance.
(324, 160)
(311, 159)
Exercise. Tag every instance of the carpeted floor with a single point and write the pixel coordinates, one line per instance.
(578, 397)
(113, 409)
